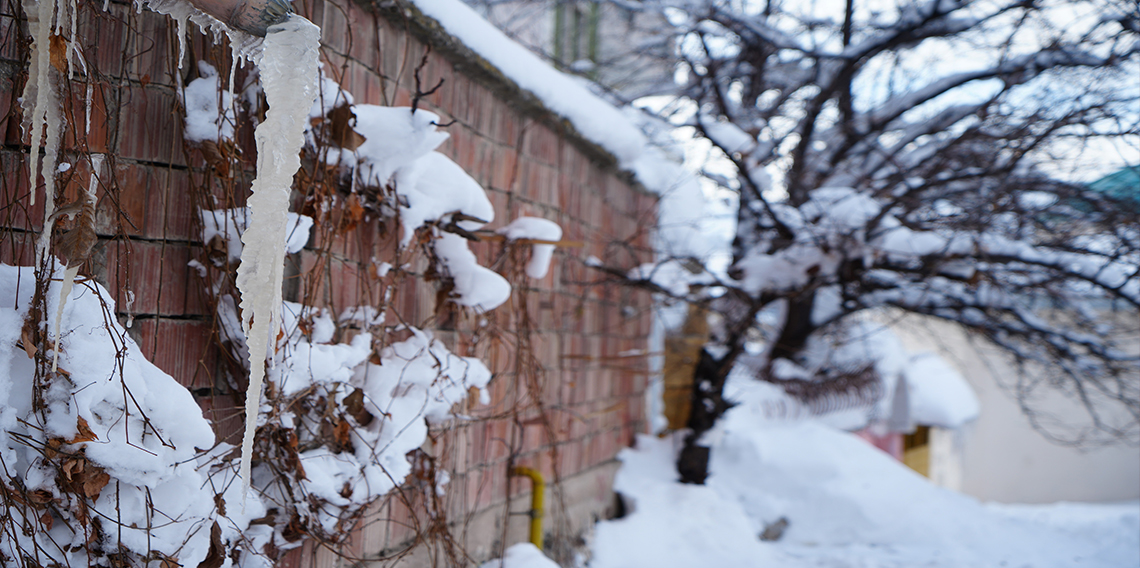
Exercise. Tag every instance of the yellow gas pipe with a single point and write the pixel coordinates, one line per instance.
(537, 497)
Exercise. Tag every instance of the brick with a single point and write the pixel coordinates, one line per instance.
(9, 38)
(150, 126)
(363, 37)
(334, 28)
(157, 274)
(151, 48)
(225, 416)
(103, 39)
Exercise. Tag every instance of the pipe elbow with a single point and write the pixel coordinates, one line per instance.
(251, 16)
(537, 502)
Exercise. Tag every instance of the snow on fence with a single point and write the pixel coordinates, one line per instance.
(561, 397)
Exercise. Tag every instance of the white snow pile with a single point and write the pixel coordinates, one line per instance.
(845, 504)
(435, 188)
(475, 286)
(209, 107)
(398, 151)
(939, 395)
(521, 555)
(534, 228)
(382, 408)
(133, 434)
(378, 409)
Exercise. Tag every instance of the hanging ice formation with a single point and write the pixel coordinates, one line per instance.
(41, 101)
(288, 68)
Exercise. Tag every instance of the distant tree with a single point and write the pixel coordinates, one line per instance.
(907, 155)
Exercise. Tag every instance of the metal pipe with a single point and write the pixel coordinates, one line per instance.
(250, 16)
(537, 498)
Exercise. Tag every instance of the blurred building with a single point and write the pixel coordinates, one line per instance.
(1000, 456)
(619, 47)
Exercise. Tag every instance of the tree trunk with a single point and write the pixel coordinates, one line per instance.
(798, 326)
(708, 405)
(711, 374)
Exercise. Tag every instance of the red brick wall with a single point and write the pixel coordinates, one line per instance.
(589, 394)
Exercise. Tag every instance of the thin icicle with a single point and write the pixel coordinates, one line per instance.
(72, 48)
(182, 22)
(64, 291)
(87, 108)
(59, 16)
(38, 92)
(288, 68)
(235, 59)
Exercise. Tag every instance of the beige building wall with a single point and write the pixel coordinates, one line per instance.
(1002, 457)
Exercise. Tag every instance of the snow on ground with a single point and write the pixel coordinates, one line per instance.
(847, 505)
(521, 555)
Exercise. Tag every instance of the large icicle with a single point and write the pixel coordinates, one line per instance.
(288, 68)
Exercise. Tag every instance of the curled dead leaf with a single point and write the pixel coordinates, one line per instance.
(40, 497)
(343, 435)
(85, 434)
(94, 480)
(72, 468)
(57, 48)
(220, 504)
(216, 555)
(341, 120)
(27, 340)
(354, 404)
(351, 214)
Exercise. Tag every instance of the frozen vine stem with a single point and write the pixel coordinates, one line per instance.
(288, 68)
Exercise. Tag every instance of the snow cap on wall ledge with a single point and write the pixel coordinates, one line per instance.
(592, 118)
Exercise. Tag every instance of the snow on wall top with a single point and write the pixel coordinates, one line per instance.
(682, 201)
(596, 119)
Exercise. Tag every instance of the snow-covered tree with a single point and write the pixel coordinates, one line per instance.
(918, 156)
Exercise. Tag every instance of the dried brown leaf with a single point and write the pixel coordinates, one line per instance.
(40, 497)
(46, 520)
(94, 480)
(214, 158)
(351, 214)
(52, 447)
(27, 339)
(295, 530)
(75, 245)
(216, 555)
(343, 434)
(220, 504)
(340, 128)
(72, 468)
(354, 404)
(218, 251)
(57, 48)
(85, 434)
